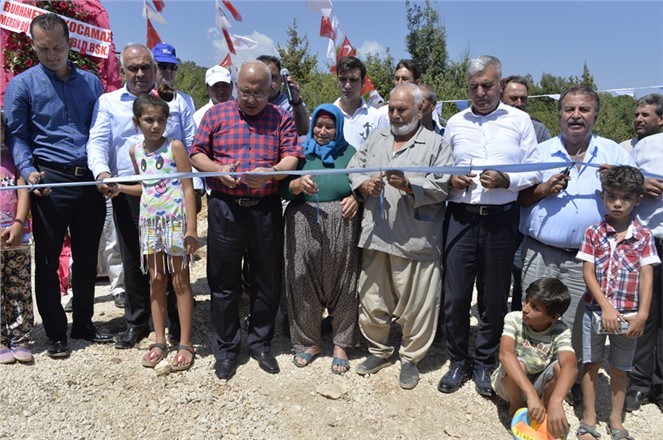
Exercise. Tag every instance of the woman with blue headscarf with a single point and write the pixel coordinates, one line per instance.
(321, 254)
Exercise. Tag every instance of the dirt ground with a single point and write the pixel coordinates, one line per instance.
(103, 393)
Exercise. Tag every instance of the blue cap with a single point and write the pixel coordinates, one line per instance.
(165, 53)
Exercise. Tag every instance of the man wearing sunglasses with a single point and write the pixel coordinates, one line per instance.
(112, 134)
(167, 65)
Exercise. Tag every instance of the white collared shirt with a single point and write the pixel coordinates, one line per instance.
(363, 122)
(113, 132)
(505, 136)
(648, 156)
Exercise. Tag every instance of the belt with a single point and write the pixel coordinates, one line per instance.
(66, 169)
(486, 209)
(244, 202)
(573, 251)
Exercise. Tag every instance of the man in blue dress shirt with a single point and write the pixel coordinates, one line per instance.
(556, 212)
(49, 108)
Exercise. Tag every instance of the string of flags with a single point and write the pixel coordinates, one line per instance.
(338, 45)
(330, 28)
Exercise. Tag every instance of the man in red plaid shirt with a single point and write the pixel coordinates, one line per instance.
(244, 212)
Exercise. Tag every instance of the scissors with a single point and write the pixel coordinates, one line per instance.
(468, 175)
(567, 170)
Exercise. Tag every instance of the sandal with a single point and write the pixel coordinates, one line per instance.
(619, 434)
(22, 354)
(179, 362)
(6, 356)
(307, 357)
(344, 365)
(584, 428)
(152, 358)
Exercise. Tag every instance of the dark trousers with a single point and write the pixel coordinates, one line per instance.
(648, 361)
(126, 211)
(233, 232)
(81, 209)
(478, 248)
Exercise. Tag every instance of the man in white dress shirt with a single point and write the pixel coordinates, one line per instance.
(481, 221)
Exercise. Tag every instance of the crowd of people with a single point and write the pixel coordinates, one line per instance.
(367, 248)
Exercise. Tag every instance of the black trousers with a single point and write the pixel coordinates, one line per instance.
(477, 247)
(82, 209)
(648, 361)
(126, 211)
(233, 232)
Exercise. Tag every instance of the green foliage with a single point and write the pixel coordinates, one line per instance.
(320, 89)
(426, 40)
(381, 71)
(191, 79)
(587, 78)
(615, 117)
(295, 56)
(454, 83)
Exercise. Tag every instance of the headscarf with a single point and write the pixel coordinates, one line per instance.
(336, 145)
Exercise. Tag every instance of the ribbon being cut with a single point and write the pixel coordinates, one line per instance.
(455, 170)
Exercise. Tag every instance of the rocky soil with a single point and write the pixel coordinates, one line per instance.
(103, 393)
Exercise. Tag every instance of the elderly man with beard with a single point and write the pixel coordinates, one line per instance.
(401, 237)
(558, 210)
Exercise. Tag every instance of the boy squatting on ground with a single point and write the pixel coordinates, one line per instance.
(618, 255)
(537, 361)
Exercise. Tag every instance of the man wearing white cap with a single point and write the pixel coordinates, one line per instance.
(167, 65)
(219, 88)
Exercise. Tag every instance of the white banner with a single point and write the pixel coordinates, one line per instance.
(85, 38)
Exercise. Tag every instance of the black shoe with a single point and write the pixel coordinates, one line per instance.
(267, 362)
(634, 400)
(225, 368)
(574, 396)
(90, 333)
(481, 379)
(454, 378)
(409, 377)
(119, 300)
(659, 402)
(372, 364)
(58, 348)
(131, 337)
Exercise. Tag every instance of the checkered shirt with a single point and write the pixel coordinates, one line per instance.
(227, 135)
(617, 265)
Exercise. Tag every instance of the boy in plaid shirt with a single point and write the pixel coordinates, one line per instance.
(618, 256)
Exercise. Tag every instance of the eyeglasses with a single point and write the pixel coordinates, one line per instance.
(247, 95)
(167, 66)
(143, 67)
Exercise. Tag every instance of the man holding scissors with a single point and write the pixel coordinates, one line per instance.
(481, 222)
(557, 211)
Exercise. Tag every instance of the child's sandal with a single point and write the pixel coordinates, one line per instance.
(619, 434)
(152, 358)
(584, 428)
(179, 362)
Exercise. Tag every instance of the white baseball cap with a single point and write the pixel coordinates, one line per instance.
(217, 74)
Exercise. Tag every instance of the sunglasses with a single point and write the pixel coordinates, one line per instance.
(167, 66)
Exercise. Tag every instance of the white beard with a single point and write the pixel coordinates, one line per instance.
(402, 130)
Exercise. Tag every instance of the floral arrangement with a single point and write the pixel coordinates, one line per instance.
(19, 56)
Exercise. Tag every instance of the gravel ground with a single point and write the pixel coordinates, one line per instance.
(103, 393)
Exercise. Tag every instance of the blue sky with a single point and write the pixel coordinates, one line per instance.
(622, 42)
